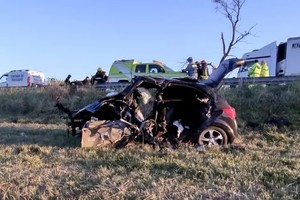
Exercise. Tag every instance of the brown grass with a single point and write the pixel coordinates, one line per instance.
(41, 162)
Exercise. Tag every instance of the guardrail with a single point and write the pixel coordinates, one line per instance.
(260, 80)
(227, 82)
(111, 85)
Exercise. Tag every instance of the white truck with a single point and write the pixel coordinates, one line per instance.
(22, 78)
(282, 59)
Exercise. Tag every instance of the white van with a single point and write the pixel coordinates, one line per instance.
(22, 78)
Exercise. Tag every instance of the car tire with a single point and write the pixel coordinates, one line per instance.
(213, 136)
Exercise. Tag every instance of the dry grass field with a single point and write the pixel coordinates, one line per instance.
(38, 160)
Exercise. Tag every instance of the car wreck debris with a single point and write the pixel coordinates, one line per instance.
(160, 112)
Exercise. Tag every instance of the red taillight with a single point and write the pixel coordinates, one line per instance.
(230, 111)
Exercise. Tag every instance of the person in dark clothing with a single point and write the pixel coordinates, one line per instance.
(100, 73)
(99, 77)
(203, 72)
(199, 69)
(86, 81)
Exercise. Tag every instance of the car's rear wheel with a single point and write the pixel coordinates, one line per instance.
(213, 136)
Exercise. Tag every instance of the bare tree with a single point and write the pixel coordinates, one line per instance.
(231, 9)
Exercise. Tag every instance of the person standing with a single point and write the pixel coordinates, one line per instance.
(191, 69)
(199, 69)
(264, 69)
(100, 73)
(99, 77)
(255, 69)
(203, 72)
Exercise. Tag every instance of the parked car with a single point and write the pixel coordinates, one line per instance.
(161, 112)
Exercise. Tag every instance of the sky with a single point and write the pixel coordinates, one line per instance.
(61, 37)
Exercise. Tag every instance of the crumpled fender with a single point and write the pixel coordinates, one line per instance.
(102, 133)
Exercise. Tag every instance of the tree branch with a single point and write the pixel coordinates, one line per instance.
(223, 42)
(232, 11)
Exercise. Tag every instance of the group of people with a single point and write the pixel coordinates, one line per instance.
(259, 69)
(198, 70)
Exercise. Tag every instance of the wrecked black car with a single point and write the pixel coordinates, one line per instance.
(159, 112)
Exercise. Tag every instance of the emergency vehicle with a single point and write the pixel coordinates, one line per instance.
(282, 59)
(125, 70)
(22, 78)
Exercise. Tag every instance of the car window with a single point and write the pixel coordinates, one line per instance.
(3, 78)
(156, 69)
(141, 68)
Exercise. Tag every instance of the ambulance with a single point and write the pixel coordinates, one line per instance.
(22, 78)
(126, 70)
